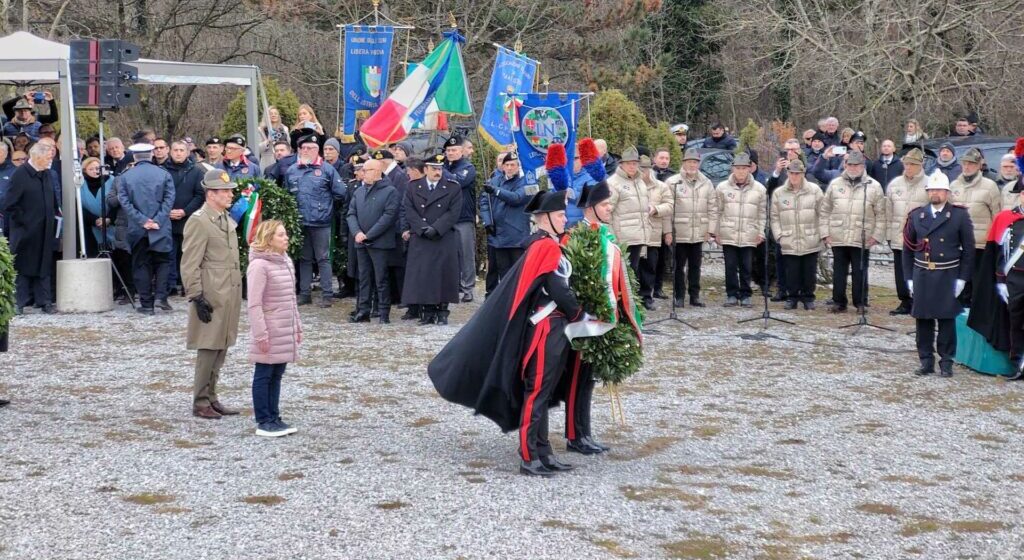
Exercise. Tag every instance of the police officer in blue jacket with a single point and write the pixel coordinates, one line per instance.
(146, 194)
(235, 162)
(464, 173)
(501, 210)
(938, 253)
(316, 186)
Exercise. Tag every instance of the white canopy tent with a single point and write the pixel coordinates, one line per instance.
(27, 60)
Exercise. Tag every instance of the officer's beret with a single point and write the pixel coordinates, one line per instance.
(214, 140)
(308, 139)
(235, 139)
(453, 140)
(511, 156)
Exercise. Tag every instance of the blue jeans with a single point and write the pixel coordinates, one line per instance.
(266, 391)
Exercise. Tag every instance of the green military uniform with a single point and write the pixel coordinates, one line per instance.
(210, 270)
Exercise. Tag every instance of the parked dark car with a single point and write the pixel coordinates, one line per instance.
(992, 147)
(715, 163)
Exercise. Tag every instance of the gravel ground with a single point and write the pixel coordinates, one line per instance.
(811, 443)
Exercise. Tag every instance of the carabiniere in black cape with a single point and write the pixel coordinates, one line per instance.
(480, 367)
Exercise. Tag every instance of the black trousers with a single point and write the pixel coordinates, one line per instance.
(688, 259)
(373, 278)
(1015, 285)
(801, 276)
(123, 263)
(396, 279)
(926, 341)
(738, 263)
(763, 262)
(845, 259)
(902, 291)
(32, 290)
(548, 353)
(664, 260)
(965, 296)
(644, 268)
(502, 259)
(579, 396)
(149, 267)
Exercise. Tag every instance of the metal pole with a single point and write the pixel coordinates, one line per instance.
(337, 99)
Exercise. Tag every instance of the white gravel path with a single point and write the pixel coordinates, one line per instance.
(812, 443)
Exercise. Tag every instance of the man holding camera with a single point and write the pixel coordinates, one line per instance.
(22, 115)
(211, 274)
(501, 210)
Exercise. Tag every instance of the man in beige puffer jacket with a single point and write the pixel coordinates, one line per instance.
(853, 214)
(906, 193)
(737, 223)
(983, 200)
(661, 221)
(633, 214)
(794, 219)
(694, 200)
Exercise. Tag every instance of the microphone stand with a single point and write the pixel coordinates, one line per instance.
(672, 316)
(104, 251)
(862, 320)
(766, 314)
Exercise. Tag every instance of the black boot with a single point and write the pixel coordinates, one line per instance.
(1019, 374)
(359, 318)
(442, 316)
(594, 443)
(535, 468)
(553, 464)
(925, 369)
(428, 314)
(385, 315)
(696, 302)
(679, 302)
(411, 312)
(581, 446)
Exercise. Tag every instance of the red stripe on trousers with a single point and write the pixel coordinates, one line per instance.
(539, 338)
(570, 420)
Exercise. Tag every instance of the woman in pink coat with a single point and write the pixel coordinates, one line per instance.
(274, 325)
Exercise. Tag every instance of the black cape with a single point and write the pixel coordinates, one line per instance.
(481, 366)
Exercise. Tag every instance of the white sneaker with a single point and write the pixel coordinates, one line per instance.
(271, 429)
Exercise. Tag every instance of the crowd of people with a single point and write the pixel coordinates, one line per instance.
(409, 220)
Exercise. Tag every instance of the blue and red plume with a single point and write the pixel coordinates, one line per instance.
(555, 164)
(591, 160)
(1018, 153)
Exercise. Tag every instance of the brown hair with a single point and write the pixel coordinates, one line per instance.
(264, 233)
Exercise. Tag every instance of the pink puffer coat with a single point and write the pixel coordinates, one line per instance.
(273, 309)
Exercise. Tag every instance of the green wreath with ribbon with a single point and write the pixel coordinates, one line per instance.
(7, 274)
(265, 200)
(617, 354)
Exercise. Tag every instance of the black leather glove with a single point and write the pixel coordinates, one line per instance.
(203, 309)
(430, 233)
(488, 188)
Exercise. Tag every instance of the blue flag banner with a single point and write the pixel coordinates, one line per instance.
(513, 73)
(542, 119)
(367, 59)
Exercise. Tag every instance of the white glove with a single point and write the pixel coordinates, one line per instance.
(959, 287)
(910, 286)
(1004, 294)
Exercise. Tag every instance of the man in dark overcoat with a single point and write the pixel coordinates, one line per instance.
(433, 204)
(938, 250)
(372, 222)
(30, 205)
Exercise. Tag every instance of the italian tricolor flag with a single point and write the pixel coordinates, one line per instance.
(438, 84)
